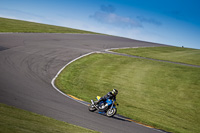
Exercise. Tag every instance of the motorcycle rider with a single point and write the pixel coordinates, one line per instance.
(110, 95)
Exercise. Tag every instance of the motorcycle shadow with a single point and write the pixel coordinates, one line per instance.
(117, 117)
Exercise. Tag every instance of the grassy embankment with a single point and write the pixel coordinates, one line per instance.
(12, 25)
(15, 120)
(163, 95)
(175, 54)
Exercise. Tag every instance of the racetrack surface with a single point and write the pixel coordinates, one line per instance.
(28, 63)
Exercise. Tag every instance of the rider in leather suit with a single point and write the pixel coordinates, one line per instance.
(110, 95)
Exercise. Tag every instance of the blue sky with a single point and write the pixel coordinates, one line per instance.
(173, 22)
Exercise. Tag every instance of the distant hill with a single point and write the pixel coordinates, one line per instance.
(12, 25)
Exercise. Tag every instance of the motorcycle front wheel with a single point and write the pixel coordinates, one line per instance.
(91, 108)
(111, 112)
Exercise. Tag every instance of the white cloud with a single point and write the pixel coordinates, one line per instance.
(107, 15)
(149, 20)
(108, 9)
(114, 19)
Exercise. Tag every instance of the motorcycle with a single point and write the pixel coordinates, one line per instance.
(108, 107)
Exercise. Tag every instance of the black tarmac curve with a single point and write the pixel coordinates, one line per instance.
(29, 62)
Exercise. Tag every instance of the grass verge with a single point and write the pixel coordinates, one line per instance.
(15, 120)
(159, 94)
(175, 54)
(12, 25)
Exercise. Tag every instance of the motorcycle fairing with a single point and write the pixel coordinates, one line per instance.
(109, 102)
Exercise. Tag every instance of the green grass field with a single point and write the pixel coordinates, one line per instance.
(163, 95)
(12, 25)
(176, 54)
(13, 120)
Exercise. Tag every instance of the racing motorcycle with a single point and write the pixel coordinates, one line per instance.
(108, 107)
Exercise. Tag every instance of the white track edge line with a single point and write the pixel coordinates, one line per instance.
(108, 50)
(53, 80)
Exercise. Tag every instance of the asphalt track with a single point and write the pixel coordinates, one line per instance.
(29, 62)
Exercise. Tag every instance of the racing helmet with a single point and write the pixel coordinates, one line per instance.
(115, 92)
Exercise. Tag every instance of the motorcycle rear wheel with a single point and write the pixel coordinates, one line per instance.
(91, 108)
(111, 112)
